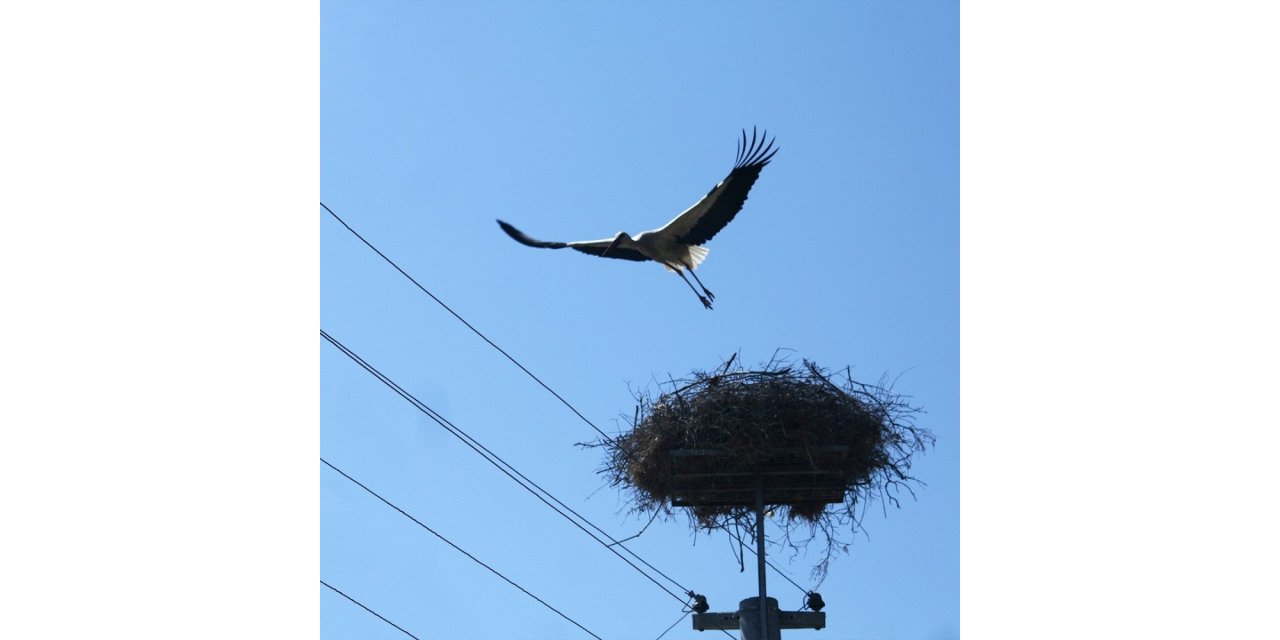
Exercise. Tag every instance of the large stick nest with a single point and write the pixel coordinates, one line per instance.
(858, 437)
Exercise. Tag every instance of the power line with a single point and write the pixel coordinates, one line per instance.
(491, 343)
(468, 440)
(468, 325)
(673, 625)
(504, 466)
(369, 610)
(459, 549)
(510, 471)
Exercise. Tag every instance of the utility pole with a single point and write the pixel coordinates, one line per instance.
(763, 603)
(758, 618)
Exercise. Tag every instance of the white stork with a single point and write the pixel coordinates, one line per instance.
(678, 244)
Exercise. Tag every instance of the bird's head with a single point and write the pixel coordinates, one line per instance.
(622, 237)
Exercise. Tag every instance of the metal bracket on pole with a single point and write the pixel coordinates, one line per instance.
(746, 618)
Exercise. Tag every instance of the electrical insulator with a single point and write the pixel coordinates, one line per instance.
(813, 600)
(700, 603)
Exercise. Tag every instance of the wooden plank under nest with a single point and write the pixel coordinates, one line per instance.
(712, 477)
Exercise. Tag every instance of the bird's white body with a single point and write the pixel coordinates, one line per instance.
(677, 245)
(663, 248)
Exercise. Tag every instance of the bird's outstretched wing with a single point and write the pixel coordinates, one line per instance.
(593, 247)
(708, 216)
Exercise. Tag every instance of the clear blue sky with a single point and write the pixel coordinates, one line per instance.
(576, 121)
(164, 380)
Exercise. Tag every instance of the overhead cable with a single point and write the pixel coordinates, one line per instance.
(510, 471)
(469, 325)
(459, 549)
(335, 589)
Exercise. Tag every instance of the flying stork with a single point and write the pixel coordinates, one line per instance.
(677, 245)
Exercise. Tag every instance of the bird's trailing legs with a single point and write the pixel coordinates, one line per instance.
(704, 287)
(705, 302)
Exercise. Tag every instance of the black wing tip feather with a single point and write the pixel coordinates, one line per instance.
(523, 239)
(512, 231)
(755, 153)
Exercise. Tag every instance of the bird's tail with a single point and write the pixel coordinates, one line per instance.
(697, 253)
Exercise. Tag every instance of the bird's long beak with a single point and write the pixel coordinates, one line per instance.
(612, 245)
